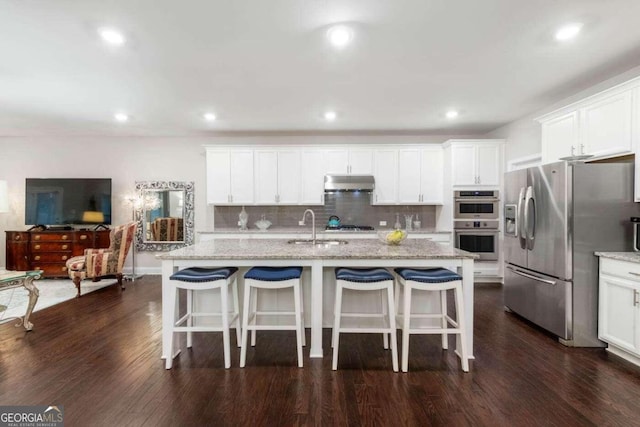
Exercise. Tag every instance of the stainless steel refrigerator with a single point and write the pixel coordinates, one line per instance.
(556, 216)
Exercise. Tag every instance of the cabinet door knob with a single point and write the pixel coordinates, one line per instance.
(65, 246)
(37, 237)
(83, 237)
(65, 237)
(36, 247)
(64, 257)
(37, 257)
(18, 237)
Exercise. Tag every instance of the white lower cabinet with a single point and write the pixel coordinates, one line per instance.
(619, 307)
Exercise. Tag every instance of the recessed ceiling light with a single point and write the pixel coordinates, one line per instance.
(452, 114)
(112, 36)
(121, 117)
(330, 116)
(340, 35)
(210, 117)
(568, 31)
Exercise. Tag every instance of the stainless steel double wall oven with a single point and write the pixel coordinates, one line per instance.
(476, 225)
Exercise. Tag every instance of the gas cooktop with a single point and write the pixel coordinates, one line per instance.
(349, 227)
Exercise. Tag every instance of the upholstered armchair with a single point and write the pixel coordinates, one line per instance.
(167, 229)
(96, 263)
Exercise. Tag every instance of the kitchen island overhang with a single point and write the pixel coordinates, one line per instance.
(416, 253)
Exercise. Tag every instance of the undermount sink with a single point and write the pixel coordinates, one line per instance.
(318, 242)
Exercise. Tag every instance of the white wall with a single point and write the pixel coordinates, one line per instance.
(130, 159)
(523, 136)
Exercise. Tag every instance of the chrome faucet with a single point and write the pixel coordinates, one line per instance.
(313, 223)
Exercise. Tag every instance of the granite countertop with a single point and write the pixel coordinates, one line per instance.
(307, 230)
(621, 256)
(279, 249)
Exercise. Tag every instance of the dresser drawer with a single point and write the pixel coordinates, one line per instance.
(50, 257)
(51, 247)
(16, 236)
(52, 237)
(622, 269)
(51, 270)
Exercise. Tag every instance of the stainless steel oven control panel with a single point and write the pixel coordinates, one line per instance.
(463, 225)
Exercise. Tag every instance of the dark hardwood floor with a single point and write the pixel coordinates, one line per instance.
(99, 356)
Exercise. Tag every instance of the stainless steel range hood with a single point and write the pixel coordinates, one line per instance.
(349, 183)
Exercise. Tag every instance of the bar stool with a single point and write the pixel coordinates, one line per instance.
(271, 278)
(440, 280)
(198, 279)
(365, 279)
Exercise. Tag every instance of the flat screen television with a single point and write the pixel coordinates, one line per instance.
(67, 201)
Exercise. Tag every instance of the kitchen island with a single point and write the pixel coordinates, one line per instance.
(417, 253)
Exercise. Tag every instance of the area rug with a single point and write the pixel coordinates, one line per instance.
(52, 292)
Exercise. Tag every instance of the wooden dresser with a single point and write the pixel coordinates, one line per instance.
(50, 250)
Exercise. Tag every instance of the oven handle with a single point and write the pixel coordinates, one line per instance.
(482, 231)
(476, 200)
(531, 276)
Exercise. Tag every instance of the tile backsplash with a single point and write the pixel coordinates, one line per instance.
(352, 207)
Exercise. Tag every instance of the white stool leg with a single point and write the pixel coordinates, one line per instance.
(396, 295)
(304, 338)
(392, 325)
(224, 309)
(236, 310)
(254, 309)
(297, 310)
(245, 323)
(336, 325)
(406, 323)
(462, 326)
(384, 306)
(173, 294)
(443, 310)
(190, 318)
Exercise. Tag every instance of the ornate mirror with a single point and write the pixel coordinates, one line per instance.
(164, 211)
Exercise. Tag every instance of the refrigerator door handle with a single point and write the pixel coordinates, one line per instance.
(519, 222)
(529, 226)
(531, 276)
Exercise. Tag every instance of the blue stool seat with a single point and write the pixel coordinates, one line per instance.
(433, 275)
(273, 274)
(363, 275)
(201, 274)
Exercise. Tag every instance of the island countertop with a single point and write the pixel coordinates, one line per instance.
(230, 249)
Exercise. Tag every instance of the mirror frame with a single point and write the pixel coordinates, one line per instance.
(188, 214)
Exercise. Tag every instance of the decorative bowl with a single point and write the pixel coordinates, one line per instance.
(263, 224)
(392, 237)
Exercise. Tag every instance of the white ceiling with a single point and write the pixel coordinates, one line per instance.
(265, 65)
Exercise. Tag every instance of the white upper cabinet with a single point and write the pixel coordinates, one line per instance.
(277, 176)
(420, 176)
(560, 136)
(476, 162)
(229, 176)
(431, 176)
(312, 171)
(386, 176)
(353, 161)
(604, 125)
